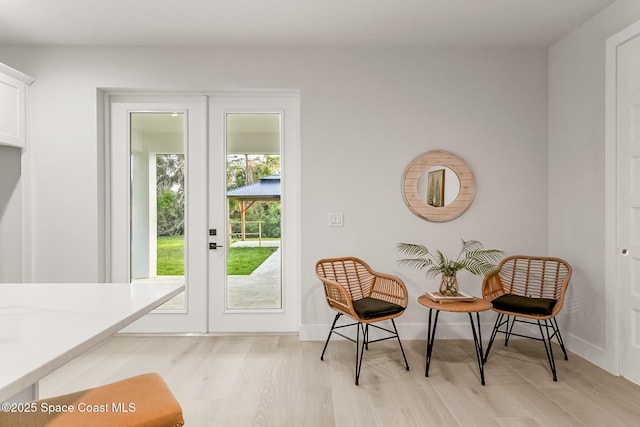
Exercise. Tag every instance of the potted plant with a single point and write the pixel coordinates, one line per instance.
(472, 258)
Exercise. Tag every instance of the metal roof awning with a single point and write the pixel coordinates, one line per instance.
(268, 188)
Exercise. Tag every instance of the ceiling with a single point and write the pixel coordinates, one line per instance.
(292, 23)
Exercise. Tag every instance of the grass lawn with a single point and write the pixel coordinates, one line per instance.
(170, 256)
(240, 261)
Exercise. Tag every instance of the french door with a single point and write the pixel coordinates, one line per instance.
(628, 166)
(157, 169)
(172, 218)
(255, 129)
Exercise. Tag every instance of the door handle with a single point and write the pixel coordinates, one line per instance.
(624, 252)
(214, 245)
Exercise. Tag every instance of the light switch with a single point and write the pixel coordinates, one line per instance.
(336, 219)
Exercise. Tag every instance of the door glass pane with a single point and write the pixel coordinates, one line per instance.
(254, 227)
(157, 200)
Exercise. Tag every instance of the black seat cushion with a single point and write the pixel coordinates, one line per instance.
(370, 308)
(525, 305)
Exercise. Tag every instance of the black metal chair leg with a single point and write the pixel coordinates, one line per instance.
(329, 337)
(357, 350)
(509, 329)
(400, 342)
(359, 359)
(556, 330)
(493, 335)
(363, 327)
(365, 330)
(547, 348)
(333, 325)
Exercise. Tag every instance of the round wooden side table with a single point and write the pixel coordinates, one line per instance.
(475, 306)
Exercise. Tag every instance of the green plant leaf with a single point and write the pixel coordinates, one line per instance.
(471, 257)
(417, 263)
(413, 249)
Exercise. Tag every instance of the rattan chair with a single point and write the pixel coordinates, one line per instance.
(528, 290)
(353, 289)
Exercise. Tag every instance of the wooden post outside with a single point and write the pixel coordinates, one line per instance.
(243, 230)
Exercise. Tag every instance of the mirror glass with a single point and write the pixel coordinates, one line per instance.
(438, 186)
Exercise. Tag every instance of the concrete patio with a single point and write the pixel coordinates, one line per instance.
(262, 288)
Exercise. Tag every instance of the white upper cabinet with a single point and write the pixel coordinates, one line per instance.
(13, 111)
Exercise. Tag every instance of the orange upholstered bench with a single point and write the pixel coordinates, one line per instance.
(141, 401)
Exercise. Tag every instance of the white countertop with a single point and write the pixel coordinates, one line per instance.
(43, 326)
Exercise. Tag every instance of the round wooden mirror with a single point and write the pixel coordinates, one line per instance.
(428, 183)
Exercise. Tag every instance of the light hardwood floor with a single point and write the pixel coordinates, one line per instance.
(277, 380)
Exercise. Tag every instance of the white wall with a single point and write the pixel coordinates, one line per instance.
(577, 176)
(365, 114)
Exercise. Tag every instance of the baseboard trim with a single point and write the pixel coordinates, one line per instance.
(593, 353)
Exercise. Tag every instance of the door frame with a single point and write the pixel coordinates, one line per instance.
(291, 190)
(612, 357)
